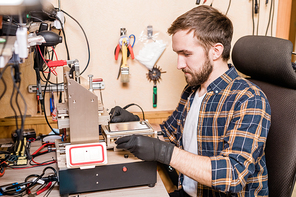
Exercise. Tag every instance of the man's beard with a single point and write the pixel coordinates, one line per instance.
(199, 78)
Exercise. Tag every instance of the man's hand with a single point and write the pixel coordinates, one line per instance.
(147, 148)
(117, 114)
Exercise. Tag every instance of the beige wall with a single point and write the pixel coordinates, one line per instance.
(102, 21)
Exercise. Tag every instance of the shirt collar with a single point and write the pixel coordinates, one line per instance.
(219, 84)
(222, 82)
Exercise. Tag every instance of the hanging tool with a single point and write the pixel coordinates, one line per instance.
(126, 50)
(155, 75)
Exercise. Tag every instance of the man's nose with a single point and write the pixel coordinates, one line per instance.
(181, 63)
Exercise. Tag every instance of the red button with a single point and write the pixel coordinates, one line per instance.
(124, 169)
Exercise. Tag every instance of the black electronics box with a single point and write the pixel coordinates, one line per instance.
(73, 181)
(122, 170)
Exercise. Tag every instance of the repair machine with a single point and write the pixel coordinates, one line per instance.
(83, 161)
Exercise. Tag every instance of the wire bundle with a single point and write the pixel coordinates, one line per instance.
(46, 183)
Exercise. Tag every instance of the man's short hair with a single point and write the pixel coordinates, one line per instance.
(209, 25)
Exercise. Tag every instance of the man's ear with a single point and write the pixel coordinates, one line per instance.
(217, 51)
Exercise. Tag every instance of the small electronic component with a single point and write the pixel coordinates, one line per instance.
(5, 150)
(18, 157)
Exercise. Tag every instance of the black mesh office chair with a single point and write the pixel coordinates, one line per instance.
(267, 60)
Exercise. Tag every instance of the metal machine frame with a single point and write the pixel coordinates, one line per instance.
(81, 117)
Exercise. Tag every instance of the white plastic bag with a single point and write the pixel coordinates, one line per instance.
(150, 47)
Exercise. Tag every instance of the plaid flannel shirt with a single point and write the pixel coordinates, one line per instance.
(233, 124)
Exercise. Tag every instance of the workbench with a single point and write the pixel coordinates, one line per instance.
(18, 175)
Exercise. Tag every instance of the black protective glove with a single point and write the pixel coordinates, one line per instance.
(147, 148)
(117, 114)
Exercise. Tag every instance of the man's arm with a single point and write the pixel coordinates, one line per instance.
(152, 149)
(194, 166)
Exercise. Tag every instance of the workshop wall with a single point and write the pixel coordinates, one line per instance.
(102, 21)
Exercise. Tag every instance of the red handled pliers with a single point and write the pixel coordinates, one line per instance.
(129, 47)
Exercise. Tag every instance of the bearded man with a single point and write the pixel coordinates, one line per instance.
(216, 137)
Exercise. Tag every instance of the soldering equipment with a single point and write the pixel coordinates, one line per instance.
(83, 154)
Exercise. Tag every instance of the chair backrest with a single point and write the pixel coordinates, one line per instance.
(267, 60)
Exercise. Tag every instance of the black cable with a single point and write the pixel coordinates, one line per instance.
(86, 39)
(6, 66)
(38, 177)
(50, 16)
(50, 53)
(13, 189)
(32, 175)
(127, 106)
(17, 83)
(16, 99)
(50, 189)
(5, 88)
(68, 56)
(43, 104)
(38, 154)
(42, 164)
(16, 79)
(44, 80)
(228, 7)
(25, 113)
(11, 98)
(65, 40)
(256, 6)
(54, 170)
(36, 165)
(36, 18)
(45, 68)
(17, 104)
(51, 168)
